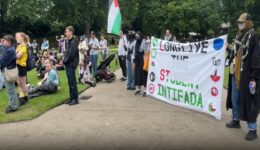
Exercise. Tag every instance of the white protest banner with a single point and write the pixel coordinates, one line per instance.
(188, 75)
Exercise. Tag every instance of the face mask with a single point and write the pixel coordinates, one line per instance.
(241, 26)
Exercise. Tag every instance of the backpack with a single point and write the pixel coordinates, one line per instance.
(30, 63)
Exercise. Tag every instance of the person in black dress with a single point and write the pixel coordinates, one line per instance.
(138, 63)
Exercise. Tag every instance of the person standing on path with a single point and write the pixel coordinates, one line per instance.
(103, 47)
(246, 74)
(71, 61)
(21, 61)
(8, 62)
(93, 46)
(138, 63)
(130, 61)
(122, 49)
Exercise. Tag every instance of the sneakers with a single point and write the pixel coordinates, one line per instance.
(10, 110)
(137, 93)
(130, 89)
(73, 102)
(67, 102)
(233, 124)
(144, 94)
(251, 135)
(93, 84)
(23, 100)
(123, 79)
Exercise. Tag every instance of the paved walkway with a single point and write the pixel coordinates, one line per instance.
(116, 119)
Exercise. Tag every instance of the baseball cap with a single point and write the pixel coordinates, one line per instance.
(244, 17)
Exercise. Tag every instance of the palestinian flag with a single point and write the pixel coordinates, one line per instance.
(114, 18)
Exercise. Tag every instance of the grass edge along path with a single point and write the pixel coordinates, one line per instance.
(40, 105)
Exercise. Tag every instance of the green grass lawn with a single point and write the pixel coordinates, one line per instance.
(39, 105)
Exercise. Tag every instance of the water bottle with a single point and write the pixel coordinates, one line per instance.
(227, 63)
(252, 90)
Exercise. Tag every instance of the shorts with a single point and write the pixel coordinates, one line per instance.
(22, 71)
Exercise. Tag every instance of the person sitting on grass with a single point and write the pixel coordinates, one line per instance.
(85, 76)
(40, 68)
(48, 85)
(59, 65)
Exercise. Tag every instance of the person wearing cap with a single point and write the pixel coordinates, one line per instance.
(93, 46)
(246, 73)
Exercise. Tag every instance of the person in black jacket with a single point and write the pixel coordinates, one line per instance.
(138, 63)
(71, 60)
(247, 73)
(8, 61)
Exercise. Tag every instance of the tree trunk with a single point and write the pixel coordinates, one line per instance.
(3, 5)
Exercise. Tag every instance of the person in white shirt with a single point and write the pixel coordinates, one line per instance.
(83, 48)
(45, 44)
(122, 54)
(129, 61)
(168, 35)
(103, 47)
(93, 46)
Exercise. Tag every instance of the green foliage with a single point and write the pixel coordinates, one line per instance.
(32, 10)
(149, 16)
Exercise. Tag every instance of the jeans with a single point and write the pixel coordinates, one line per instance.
(94, 59)
(12, 96)
(103, 56)
(252, 126)
(1, 80)
(235, 99)
(71, 75)
(130, 75)
(43, 89)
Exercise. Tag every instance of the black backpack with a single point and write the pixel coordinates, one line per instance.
(30, 63)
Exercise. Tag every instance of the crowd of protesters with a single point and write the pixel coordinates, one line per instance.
(243, 60)
(133, 56)
(18, 52)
